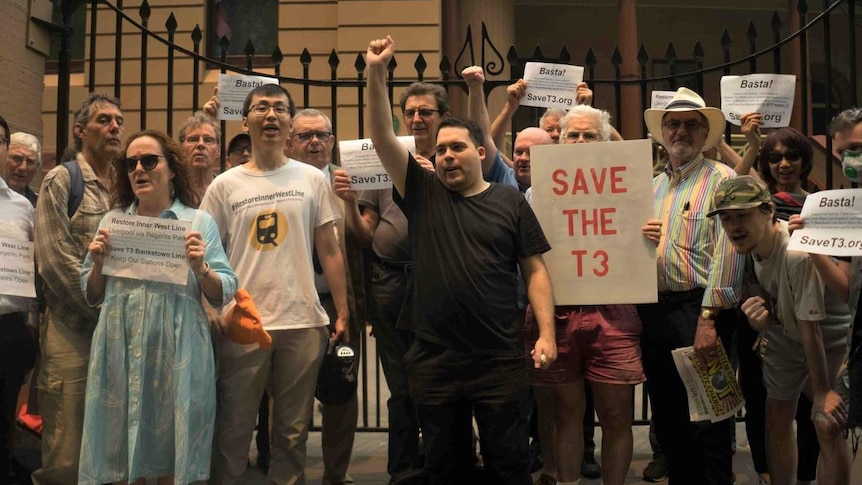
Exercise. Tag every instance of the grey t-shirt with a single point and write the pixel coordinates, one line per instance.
(390, 238)
(797, 293)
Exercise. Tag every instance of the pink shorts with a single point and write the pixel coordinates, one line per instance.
(600, 343)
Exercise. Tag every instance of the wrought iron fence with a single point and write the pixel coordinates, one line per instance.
(480, 52)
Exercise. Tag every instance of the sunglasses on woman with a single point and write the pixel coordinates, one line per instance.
(149, 162)
(777, 157)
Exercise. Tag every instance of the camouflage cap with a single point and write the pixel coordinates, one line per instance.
(742, 192)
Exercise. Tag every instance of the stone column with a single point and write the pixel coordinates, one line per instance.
(630, 126)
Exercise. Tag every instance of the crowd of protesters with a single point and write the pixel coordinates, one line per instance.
(139, 378)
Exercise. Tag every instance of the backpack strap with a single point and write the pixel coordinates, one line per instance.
(76, 186)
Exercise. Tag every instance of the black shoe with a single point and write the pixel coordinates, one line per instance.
(590, 468)
(656, 470)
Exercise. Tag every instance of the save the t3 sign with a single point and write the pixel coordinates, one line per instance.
(592, 200)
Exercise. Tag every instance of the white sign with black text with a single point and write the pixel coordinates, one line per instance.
(147, 248)
(17, 271)
(771, 95)
(359, 159)
(551, 85)
(833, 224)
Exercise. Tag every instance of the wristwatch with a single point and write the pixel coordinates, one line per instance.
(708, 314)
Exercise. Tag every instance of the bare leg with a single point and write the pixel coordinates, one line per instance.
(545, 408)
(834, 460)
(569, 433)
(614, 407)
(781, 441)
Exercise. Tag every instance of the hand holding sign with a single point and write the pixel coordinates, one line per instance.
(195, 252)
(100, 247)
(212, 106)
(341, 186)
(515, 92)
(751, 123)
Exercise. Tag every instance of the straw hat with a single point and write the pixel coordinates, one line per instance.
(687, 100)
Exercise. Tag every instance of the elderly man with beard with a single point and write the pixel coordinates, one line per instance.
(698, 276)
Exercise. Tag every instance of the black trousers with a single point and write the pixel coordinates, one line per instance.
(17, 355)
(448, 388)
(698, 452)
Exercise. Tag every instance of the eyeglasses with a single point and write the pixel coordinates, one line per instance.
(308, 135)
(587, 135)
(20, 159)
(263, 109)
(423, 112)
(777, 157)
(149, 162)
(690, 125)
(195, 139)
(239, 149)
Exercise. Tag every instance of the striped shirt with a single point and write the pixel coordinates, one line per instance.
(695, 252)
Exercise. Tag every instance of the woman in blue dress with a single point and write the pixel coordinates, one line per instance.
(151, 399)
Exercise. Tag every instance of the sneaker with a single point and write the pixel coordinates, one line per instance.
(656, 470)
(546, 479)
(590, 468)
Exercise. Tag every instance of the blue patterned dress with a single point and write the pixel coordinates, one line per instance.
(151, 400)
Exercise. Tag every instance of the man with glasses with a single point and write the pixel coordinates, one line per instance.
(200, 136)
(23, 161)
(698, 276)
(61, 244)
(312, 142)
(273, 214)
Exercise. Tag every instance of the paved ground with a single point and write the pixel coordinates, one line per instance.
(368, 466)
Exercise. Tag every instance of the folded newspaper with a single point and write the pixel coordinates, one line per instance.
(713, 391)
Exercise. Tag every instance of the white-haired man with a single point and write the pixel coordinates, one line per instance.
(24, 159)
(597, 343)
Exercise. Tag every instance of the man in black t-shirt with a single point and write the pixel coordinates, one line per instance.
(467, 238)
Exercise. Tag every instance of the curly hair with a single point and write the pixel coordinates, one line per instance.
(122, 194)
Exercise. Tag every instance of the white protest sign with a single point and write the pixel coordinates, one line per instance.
(551, 85)
(359, 159)
(17, 271)
(771, 95)
(660, 99)
(147, 248)
(592, 200)
(232, 91)
(833, 224)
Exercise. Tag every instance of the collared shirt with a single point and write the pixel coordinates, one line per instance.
(16, 222)
(694, 251)
(61, 243)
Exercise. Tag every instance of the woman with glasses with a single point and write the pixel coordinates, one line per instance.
(150, 400)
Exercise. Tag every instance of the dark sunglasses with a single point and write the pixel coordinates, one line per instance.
(149, 162)
(777, 157)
